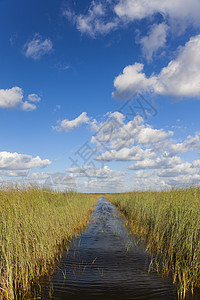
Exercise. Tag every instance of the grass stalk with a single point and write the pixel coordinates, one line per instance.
(169, 222)
(34, 225)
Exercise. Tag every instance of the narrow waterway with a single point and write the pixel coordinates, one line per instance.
(106, 262)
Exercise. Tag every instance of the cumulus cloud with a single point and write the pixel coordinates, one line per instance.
(13, 98)
(182, 174)
(177, 170)
(39, 176)
(120, 136)
(97, 180)
(14, 173)
(180, 78)
(118, 139)
(28, 106)
(34, 98)
(190, 144)
(126, 154)
(151, 149)
(16, 161)
(149, 181)
(154, 41)
(57, 181)
(94, 21)
(114, 133)
(88, 171)
(60, 182)
(167, 168)
(105, 185)
(70, 125)
(132, 81)
(158, 163)
(182, 180)
(105, 16)
(196, 164)
(149, 135)
(94, 125)
(181, 10)
(37, 47)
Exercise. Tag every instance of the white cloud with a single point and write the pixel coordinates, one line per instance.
(182, 180)
(168, 169)
(60, 181)
(144, 174)
(128, 141)
(196, 164)
(154, 41)
(14, 173)
(126, 154)
(149, 135)
(34, 98)
(13, 98)
(119, 135)
(179, 175)
(158, 163)
(98, 180)
(16, 161)
(180, 11)
(105, 16)
(88, 171)
(190, 144)
(94, 21)
(114, 133)
(132, 81)
(37, 47)
(104, 185)
(149, 181)
(70, 125)
(180, 78)
(39, 176)
(183, 174)
(118, 139)
(177, 170)
(27, 106)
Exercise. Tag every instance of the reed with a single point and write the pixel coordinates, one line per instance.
(34, 225)
(169, 222)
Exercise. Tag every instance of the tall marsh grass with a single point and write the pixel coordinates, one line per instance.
(34, 224)
(170, 223)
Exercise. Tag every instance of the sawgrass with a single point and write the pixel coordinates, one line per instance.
(34, 225)
(169, 221)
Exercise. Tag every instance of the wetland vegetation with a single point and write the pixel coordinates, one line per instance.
(34, 225)
(169, 222)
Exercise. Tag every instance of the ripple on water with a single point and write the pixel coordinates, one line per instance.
(106, 262)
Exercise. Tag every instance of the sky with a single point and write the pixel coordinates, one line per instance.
(100, 96)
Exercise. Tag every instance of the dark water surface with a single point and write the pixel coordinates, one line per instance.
(106, 262)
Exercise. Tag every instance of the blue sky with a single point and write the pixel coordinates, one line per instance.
(68, 67)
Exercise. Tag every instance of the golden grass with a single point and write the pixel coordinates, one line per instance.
(169, 221)
(34, 224)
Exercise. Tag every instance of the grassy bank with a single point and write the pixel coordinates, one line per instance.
(170, 224)
(34, 224)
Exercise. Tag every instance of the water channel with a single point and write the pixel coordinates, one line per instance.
(106, 262)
